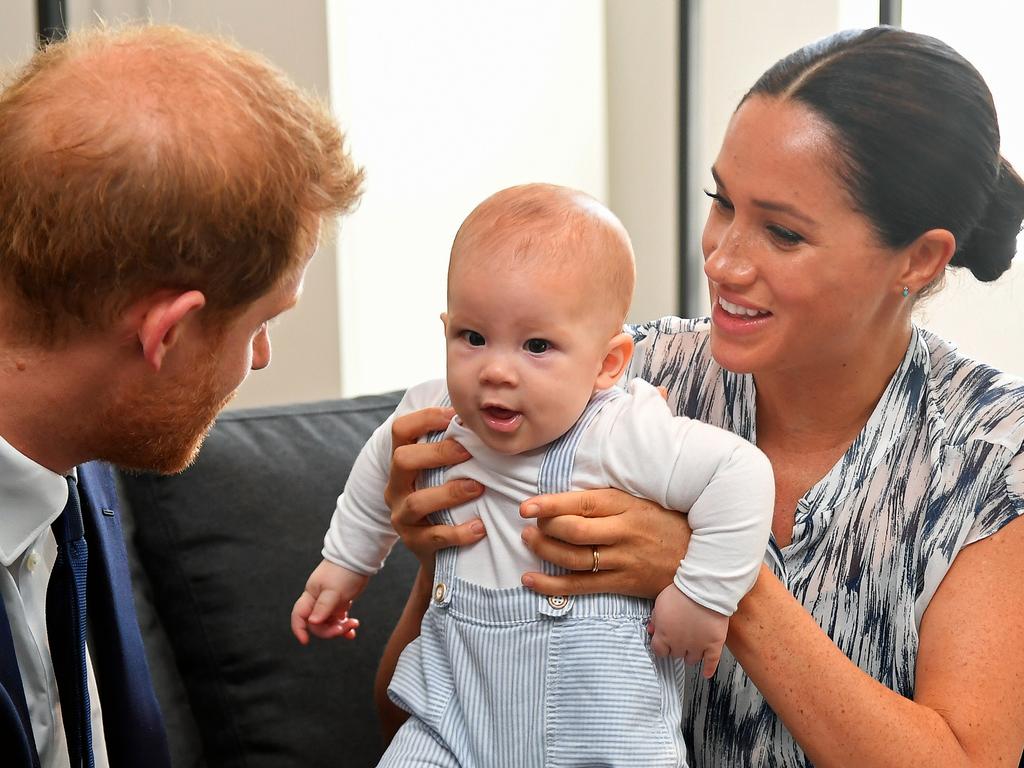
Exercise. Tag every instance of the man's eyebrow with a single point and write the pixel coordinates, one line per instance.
(770, 205)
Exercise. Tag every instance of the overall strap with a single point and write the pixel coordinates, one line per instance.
(555, 476)
(444, 560)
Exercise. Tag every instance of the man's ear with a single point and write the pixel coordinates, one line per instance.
(616, 358)
(161, 320)
(926, 258)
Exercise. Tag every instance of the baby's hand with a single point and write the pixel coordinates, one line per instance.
(687, 630)
(323, 607)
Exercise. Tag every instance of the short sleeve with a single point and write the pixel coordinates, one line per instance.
(1003, 504)
(664, 348)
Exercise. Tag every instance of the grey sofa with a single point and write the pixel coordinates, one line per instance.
(221, 552)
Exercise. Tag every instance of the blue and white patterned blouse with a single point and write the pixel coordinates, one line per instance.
(938, 466)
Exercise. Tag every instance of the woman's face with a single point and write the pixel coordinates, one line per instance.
(797, 277)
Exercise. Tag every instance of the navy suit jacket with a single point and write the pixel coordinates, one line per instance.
(132, 724)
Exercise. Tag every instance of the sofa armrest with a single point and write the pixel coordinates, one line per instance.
(227, 546)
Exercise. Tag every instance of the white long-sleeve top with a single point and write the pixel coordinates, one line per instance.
(635, 444)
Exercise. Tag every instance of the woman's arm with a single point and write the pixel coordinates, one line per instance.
(969, 704)
(407, 630)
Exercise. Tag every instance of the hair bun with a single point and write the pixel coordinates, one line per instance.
(992, 243)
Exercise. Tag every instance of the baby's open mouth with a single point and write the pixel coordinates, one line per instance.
(501, 419)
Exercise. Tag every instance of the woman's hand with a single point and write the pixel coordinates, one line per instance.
(638, 543)
(410, 507)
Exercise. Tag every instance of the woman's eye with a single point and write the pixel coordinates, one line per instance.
(537, 346)
(785, 236)
(473, 338)
(719, 199)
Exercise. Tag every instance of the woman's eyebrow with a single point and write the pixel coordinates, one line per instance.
(770, 205)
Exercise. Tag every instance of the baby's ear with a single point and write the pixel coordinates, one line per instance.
(616, 358)
(444, 321)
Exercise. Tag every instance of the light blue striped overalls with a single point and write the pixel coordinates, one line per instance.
(507, 678)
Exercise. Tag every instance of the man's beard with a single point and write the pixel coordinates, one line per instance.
(161, 432)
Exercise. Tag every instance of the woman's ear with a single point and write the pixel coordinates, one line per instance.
(616, 358)
(926, 258)
(160, 321)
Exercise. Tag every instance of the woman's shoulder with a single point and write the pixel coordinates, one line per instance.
(664, 346)
(680, 329)
(976, 401)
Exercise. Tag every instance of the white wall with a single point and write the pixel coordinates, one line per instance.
(643, 144)
(17, 31)
(732, 43)
(731, 49)
(986, 320)
(306, 341)
(446, 103)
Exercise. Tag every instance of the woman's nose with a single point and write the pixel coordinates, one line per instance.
(727, 261)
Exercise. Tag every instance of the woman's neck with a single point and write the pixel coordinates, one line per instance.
(826, 405)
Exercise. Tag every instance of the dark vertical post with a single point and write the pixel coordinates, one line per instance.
(683, 167)
(50, 21)
(890, 12)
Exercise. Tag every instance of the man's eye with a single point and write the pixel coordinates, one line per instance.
(537, 346)
(473, 338)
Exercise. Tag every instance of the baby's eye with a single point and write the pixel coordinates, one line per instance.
(537, 346)
(473, 338)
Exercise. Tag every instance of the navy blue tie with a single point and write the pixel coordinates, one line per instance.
(65, 627)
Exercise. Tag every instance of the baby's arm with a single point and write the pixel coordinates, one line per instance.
(360, 535)
(727, 487)
(323, 606)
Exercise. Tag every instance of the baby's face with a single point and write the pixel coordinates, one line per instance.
(524, 351)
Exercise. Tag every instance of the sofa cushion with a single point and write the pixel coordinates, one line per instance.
(227, 546)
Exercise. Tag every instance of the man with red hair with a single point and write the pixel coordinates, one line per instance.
(161, 193)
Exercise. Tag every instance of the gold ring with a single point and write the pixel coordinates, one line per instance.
(597, 560)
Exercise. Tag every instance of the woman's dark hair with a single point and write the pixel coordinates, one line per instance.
(916, 131)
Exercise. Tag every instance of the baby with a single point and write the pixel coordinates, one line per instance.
(539, 283)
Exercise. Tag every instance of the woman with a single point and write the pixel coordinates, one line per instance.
(884, 628)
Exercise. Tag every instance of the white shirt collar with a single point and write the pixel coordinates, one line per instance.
(31, 497)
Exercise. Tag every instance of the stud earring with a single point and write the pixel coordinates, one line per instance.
(906, 291)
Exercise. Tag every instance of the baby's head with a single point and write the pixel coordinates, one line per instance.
(539, 283)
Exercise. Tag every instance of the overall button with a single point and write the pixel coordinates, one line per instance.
(558, 601)
(439, 592)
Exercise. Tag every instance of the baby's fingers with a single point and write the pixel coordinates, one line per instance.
(659, 646)
(300, 613)
(345, 627)
(711, 658)
(328, 603)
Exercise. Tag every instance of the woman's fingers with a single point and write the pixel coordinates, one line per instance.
(408, 457)
(603, 502)
(575, 583)
(574, 557)
(417, 505)
(426, 540)
(412, 426)
(584, 531)
(407, 461)
(639, 543)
